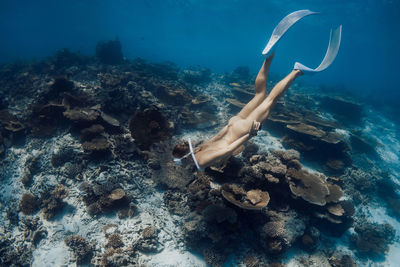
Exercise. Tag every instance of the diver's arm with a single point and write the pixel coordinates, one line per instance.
(237, 143)
(255, 126)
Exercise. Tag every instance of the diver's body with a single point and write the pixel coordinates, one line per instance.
(247, 122)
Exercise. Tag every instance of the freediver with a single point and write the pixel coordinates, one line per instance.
(240, 128)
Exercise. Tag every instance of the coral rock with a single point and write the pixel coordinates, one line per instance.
(115, 241)
(148, 127)
(82, 115)
(237, 196)
(9, 122)
(82, 250)
(373, 239)
(53, 204)
(306, 129)
(117, 194)
(335, 193)
(313, 188)
(219, 214)
(109, 52)
(28, 203)
(96, 145)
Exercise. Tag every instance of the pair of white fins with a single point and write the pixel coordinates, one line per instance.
(289, 21)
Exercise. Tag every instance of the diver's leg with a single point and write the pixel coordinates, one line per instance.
(262, 76)
(260, 86)
(263, 110)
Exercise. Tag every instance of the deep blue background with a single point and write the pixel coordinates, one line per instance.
(218, 34)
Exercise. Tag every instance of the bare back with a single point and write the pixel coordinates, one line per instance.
(214, 151)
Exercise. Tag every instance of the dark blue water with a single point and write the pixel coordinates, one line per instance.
(217, 34)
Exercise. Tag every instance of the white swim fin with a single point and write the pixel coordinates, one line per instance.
(283, 26)
(333, 48)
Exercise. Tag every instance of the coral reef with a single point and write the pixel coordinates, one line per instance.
(149, 126)
(67, 134)
(104, 198)
(251, 200)
(281, 231)
(115, 241)
(148, 241)
(82, 250)
(28, 204)
(311, 187)
(372, 239)
(54, 204)
(109, 52)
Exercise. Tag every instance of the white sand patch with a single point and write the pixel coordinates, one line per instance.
(175, 258)
(267, 142)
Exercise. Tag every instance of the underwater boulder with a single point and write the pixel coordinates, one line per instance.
(109, 52)
(148, 127)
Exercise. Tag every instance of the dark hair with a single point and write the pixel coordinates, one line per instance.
(181, 150)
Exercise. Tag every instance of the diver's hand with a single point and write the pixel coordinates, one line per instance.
(254, 128)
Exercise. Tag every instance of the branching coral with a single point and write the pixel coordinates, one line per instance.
(219, 214)
(148, 127)
(115, 241)
(54, 203)
(373, 239)
(82, 250)
(28, 204)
